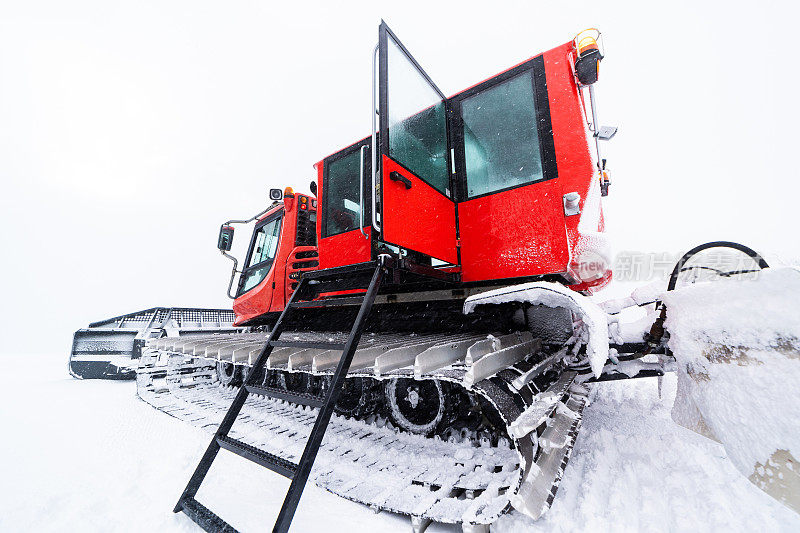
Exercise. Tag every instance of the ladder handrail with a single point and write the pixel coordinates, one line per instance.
(210, 521)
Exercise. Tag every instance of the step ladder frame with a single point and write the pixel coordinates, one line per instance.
(205, 518)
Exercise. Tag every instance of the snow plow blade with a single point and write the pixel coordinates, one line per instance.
(111, 348)
(737, 346)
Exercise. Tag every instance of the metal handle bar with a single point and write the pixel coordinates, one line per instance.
(374, 167)
(361, 193)
(235, 270)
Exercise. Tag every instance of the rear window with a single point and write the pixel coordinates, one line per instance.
(342, 210)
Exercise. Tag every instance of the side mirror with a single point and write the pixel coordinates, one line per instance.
(225, 238)
(314, 188)
(275, 195)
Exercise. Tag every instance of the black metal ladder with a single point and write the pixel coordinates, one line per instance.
(299, 472)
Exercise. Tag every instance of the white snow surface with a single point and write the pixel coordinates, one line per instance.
(748, 395)
(630, 331)
(556, 295)
(90, 456)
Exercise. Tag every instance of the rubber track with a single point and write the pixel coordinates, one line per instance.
(450, 482)
(407, 474)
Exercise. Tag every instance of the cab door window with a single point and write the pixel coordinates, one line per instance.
(417, 121)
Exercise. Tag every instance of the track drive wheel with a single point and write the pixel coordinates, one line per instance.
(417, 406)
(359, 398)
(228, 374)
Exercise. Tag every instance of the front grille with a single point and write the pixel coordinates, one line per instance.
(306, 255)
(305, 264)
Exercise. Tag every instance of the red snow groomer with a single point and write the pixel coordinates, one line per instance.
(431, 292)
(487, 201)
(492, 186)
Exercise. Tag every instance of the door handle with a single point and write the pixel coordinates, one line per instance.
(396, 176)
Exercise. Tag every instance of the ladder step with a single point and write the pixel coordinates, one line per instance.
(331, 302)
(308, 344)
(367, 267)
(265, 459)
(299, 398)
(204, 517)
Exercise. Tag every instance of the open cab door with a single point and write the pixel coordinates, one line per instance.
(415, 210)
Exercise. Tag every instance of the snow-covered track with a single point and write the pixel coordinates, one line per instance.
(463, 479)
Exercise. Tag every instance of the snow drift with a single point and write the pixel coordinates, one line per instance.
(737, 344)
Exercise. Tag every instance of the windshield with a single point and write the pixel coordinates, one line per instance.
(262, 254)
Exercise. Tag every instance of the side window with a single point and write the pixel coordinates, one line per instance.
(264, 248)
(417, 125)
(342, 210)
(501, 139)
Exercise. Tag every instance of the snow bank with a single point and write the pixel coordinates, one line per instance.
(737, 343)
(633, 470)
(555, 295)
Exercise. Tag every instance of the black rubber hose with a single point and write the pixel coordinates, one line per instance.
(673, 278)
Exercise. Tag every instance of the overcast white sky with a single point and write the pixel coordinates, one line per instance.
(130, 130)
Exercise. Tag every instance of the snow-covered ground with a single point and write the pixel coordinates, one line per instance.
(89, 456)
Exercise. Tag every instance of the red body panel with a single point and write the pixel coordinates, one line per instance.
(576, 170)
(419, 218)
(514, 233)
(524, 231)
(257, 300)
(344, 249)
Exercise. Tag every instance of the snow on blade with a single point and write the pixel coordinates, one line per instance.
(737, 343)
(555, 295)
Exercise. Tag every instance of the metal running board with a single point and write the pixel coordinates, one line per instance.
(299, 472)
(331, 302)
(267, 460)
(300, 398)
(204, 518)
